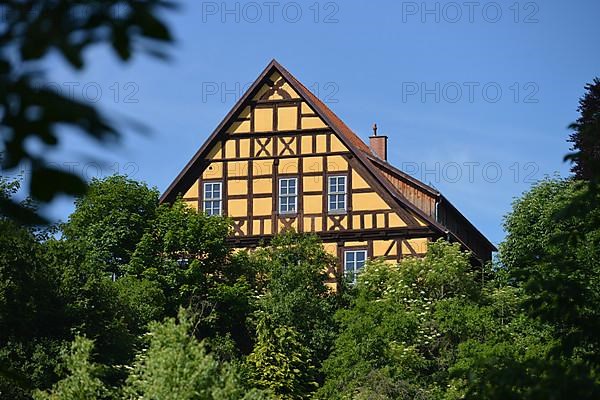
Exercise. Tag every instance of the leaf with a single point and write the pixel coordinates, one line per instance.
(47, 182)
(19, 213)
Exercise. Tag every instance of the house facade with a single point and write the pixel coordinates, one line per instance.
(281, 159)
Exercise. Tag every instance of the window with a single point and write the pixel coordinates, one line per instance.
(288, 195)
(337, 193)
(354, 261)
(213, 198)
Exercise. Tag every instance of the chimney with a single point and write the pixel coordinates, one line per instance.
(378, 144)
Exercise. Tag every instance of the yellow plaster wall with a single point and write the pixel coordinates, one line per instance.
(244, 228)
(238, 208)
(305, 108)
(287, 118)
(313, 183)
(395, 221)
(213, 171)
(331, 248)
(321, 143)
(313, 164)
(239, 127)
(418, 245)
(356, 244)
(288, 166)
(262, 167)
(193, 191)
(306, 145)
(286, 86)
(237, 169)
(281, 226)
(286, 145)
(420, 221)
(368, 201)
(244, 148)
(312, 123)
(308, 224)
(336, 164)
(237, 187)
(263, 119)
(262, 206)
(256, 227)
(262, 185)
(261, 92)
(343, 224)
(267, 227)
(276, 78)
(337, 145)
(381, 246)
(358, 182)
(263, 143)
(313, 204)
(215, 152)
(230, 149)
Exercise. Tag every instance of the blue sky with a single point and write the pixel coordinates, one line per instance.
(464, 90)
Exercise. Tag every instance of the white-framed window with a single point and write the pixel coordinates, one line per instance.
(213, 198)
(336, 190)
(288, 195)
(354, 261)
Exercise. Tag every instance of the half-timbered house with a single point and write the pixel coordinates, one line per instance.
(281, 159)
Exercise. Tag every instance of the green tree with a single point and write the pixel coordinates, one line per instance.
(402, 331)
(585, 138)
(83, 376)
(296, 299)
(109, 221)
(97, 243)
(185, 252)
(176, 365)
(53, 288)
(32, 319)
(280, 362)
(31, 31)
(112, 313)
(504, 362)
(28, 303)
(551, 251)
(553, 254)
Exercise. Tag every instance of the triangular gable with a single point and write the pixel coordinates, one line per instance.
(276, 83)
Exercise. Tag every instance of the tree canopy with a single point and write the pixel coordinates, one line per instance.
(132, 299)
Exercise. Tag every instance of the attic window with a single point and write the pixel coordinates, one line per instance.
(213, 198)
